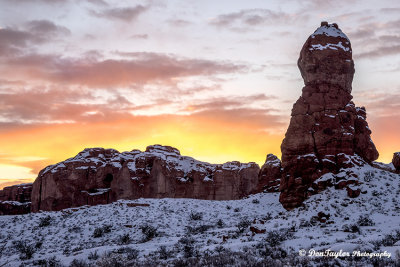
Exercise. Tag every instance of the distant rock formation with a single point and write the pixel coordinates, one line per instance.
(270, 175)
(101, 176)
(396, 161)
(326, 131)
(15, 199)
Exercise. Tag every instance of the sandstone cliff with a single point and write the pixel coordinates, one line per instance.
(100, 176)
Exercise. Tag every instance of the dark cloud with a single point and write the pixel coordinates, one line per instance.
(12, 40)
(256, 17)
(52, 106)
(395, 10)
(380, 52)
(136, 68)
(126, 14)
(46, 28)
(98, 2)
(179, 22)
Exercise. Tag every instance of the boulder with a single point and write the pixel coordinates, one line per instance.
(326, 131)
(101, 176)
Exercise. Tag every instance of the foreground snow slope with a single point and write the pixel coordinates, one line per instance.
(87, 233)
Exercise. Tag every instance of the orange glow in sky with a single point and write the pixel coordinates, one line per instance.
(215, 79)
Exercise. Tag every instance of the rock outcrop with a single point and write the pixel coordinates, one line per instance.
(396, 161)
(326, 131)
(270, 175)
(100, 176)
(15, 199)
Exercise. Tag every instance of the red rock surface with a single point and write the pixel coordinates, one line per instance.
(270, 175)
(15, 199)
(396, 161)
(326, 131)
(100, 176)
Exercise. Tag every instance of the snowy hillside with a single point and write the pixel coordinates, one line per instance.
(255, 231)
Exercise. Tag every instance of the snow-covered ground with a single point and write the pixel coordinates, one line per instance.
(179, 232)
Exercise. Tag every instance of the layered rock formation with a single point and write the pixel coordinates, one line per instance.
(100, 176)
(15, 199)
(270, 175)
(327, 131)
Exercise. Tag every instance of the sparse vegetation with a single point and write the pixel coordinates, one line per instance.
(45, 221)
(243, 225)
(100, 231)
(148, 231)
(24, 249)
(124, 239)
(196, 216)
(187, 245)
(365, 220)
(352, 228)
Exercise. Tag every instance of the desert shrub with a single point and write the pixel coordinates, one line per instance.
(196, 216)
(351, 228)
(304, 223)
(364, 220)
(236, 209)
(187, 245)
(148, 231)
(368, 176)
(107, 228)
(265, 250)
(124, 239)
(163, 253)
(130, 253)
(45, 221)
(220, 223)
(243, 225)
(24, 249)
(276, 237)
(50, 262)
(93, 255)
(75, 229)
(228, 207)
(100, 231)
(197, 229)
(268, 216)
(256, 201)
(79, 263)
(112, 260)
(390, 239)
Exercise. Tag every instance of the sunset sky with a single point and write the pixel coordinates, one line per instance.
(215, 79)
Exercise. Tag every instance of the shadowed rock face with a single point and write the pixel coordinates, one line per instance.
(101, 176)
(15, 199)
(396, 161)
(270, 175)
(326, 130)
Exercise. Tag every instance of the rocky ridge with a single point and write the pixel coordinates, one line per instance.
(100, 176)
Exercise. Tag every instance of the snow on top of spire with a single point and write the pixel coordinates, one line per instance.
(329, 30)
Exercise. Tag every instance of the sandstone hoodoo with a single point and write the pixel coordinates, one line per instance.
(101, 176)
(326, 131)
